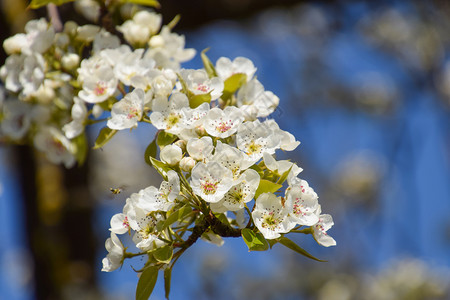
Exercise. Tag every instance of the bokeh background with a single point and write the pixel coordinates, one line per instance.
(365, 87)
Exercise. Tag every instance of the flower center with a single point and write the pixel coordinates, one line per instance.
(172, 120)
(223, 127)
(132, 113)
(253, 148)
(100, 89)
(209, 187)
(202, 88)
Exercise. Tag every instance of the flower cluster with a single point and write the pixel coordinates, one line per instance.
(215, 145)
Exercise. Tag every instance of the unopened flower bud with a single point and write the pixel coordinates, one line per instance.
(187, 163)
(87, 33)
(70, 27)
(156, 41)
(70, 61)
(181, 144)
(171, 154)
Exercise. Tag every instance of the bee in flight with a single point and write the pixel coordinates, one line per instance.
(115, 191)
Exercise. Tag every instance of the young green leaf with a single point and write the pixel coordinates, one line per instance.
(161, 167)
(284, 176)
(167, 278)
(146, 283)
(209, 67)
(197, 100)
(150, 151)
(175, 216)
(165, 138)
(151, 3)
(104, 136)
(163, 254)
(39, 3)
(266, 186)
(293, 246)
(254, 241)
(234, 82)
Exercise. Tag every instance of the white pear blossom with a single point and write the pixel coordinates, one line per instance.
(115, 256)
(287, 140)
(200, 149)
(105, 40)
(79, 115)
(226, 68)
(199, 83)
(171, 154)
(146, 236)
(255, 138)
(132, 64)
(167, 113)
(32, 75)
(302, 202)
(55, 145)
(211, 181)
(119, 224)
(240, 193)
(271, 216)
(281, 166)
(231, 158)
(223, 123)
(99, 86)
(320, 229)
(143, 25)
(195, 116)
(16, 119)
(254, 101)
(152, 199)
(127, 112)
(37, 39)
(167, 49)
(9, 72)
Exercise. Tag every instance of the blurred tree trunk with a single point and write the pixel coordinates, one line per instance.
(58, 213)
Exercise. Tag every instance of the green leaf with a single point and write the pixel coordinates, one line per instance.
(266, 186)
(146, 283)
(196, 100)
(167, 278)
(165, 138)
(209, 67)
(161, 167)
(39, 3)
(151, 3)
(163, 254)
(81, 148)
(175, 216)
(293, 246)
(104, 136)
(254, 241)
(150, 151)
(284, 176)
(234, 82)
